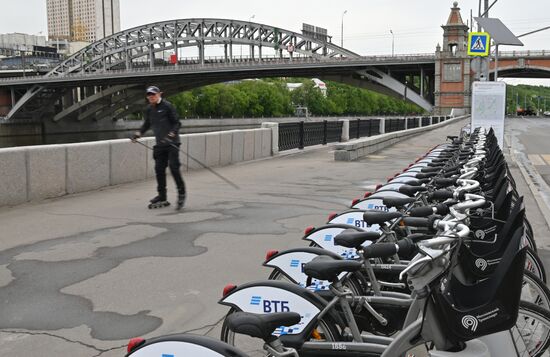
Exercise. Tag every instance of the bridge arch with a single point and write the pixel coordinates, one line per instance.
(516, 71)
(122, 49)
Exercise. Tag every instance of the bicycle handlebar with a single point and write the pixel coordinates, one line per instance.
(426, 211)
(472, 201)
(383, 250)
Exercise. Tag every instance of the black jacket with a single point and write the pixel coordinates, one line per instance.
(163, 119)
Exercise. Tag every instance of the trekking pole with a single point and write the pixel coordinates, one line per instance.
(169, 142)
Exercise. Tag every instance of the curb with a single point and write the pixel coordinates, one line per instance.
(533, 179)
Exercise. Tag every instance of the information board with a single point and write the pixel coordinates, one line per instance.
(488, 107)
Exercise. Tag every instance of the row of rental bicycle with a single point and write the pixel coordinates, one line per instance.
(439, 261)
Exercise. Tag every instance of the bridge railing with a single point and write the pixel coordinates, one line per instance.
(179, 69)
(536, 53)
(215, 62)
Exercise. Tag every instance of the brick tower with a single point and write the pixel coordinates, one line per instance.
(452, 66)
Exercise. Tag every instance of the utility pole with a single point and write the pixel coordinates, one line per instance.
(392, 43)
(511, 99)
(485, 13)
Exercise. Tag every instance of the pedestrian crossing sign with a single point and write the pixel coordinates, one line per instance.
(479, 44)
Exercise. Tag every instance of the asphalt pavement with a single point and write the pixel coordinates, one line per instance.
(81, 274)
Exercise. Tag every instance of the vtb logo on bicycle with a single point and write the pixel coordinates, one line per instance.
(376, 207)
(270, 306)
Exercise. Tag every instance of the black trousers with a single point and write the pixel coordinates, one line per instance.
(167, 156)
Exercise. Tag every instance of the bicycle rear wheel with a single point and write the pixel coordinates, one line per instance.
(529, 235)
(534, 264)
(535, 291)
(533, 324)
(326, 330)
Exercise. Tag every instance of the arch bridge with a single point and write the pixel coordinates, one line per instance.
(106, 79)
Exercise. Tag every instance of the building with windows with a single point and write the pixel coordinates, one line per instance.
(21, 41)
(82, 20)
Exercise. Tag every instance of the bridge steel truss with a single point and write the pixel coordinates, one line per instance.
(131, 50)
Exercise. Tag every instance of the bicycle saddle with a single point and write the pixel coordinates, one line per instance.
(379, 217)
(259, 325)
(411, 190)
(350, 238)
(327, 268)
(397, 202)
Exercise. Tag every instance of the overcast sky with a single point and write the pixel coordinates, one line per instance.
(415, 23)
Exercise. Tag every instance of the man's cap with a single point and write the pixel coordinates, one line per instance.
(153, 89)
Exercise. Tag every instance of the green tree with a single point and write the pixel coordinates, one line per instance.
(185, 104)
(271, 98)
(311, 97)
(207, 101)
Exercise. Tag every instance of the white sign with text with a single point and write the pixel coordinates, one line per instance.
(488, 107)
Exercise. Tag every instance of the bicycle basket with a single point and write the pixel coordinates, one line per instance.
(486, 307)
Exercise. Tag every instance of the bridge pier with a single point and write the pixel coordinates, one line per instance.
(151, 57)
(6, 101)
(422, 82)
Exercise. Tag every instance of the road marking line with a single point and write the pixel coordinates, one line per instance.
(375, 157)
(536, 159)
(546, 158)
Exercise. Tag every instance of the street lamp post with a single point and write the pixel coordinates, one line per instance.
(342, 33)
(392, 43)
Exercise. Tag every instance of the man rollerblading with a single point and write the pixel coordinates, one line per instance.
(160, 115)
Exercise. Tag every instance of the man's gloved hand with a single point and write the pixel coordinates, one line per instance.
(136, 136)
